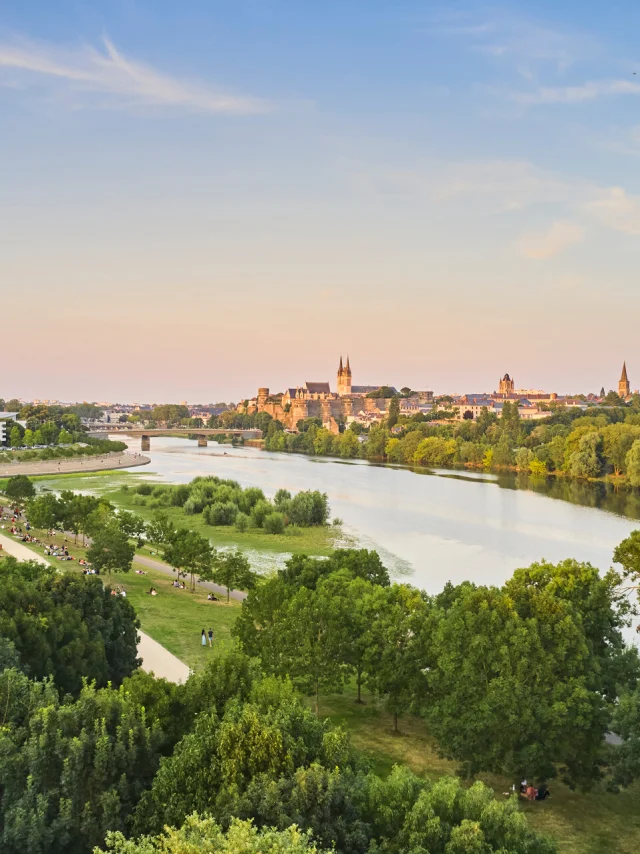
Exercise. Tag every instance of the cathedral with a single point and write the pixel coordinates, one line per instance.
(316, 400)
(624, 387)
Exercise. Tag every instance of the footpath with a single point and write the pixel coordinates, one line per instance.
(155, 658)
(73, 465)
(150, 563)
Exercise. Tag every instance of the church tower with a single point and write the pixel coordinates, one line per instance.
(506, 386)
(344, 378)
(624, 389)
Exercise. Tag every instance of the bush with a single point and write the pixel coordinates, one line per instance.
(261, 509)
(250, 498)
(242, 522)
(273, 523)
(139, 501)
(179, 495)
(144, 489)
(309, 508)
(220, 513)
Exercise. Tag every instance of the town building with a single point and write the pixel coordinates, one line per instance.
(316, 400)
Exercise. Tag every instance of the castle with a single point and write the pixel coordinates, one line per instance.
(316, 400)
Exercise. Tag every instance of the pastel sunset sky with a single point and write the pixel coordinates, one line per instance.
(198, 198)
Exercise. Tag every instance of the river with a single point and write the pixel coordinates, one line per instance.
(429, 527)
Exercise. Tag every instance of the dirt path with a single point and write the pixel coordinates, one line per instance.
(150, 563)
(16, 549)
(73, 465)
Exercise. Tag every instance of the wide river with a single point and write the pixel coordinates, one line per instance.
(429, 527)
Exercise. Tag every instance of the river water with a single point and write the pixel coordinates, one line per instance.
(429, 527)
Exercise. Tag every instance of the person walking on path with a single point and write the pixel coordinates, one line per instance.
(204, 638)
(210, 636)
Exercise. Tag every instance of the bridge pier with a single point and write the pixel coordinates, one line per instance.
(145, 443)
(202, 441)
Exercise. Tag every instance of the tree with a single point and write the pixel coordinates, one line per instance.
(204, 835)
(189, 552)
(69, 771)
(15, 437)
(391, 658)
(231, 569)
(110, 550)
(633, 464)
(273, 523)
(394, 412)
(65, 438)
(519, 680)
(133, 526)
(19, 488)
(28, 438)
(44, 511)
(160, 529)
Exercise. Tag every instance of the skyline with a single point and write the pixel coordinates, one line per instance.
(202, 200)
(334, 387)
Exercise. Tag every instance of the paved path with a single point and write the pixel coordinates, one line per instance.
(158, 660)
(155, 658)
(15, 548)
(150, 563)
(72, 465)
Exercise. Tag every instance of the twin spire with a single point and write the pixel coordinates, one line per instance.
(347, 369)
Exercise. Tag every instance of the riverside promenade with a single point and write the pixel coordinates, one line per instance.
(73, 465)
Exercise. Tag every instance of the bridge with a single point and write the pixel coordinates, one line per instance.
(145, 434)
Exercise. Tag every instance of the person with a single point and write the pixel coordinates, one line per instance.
(531, 793)
(204, 638)
(154, 592)
(523, 786)
(543, 793)
(210, 636)
(212, 598)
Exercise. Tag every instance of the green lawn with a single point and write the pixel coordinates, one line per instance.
(175, 618)
(596, 823)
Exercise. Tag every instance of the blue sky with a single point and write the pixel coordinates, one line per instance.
(204, 197)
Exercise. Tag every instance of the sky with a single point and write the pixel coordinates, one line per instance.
(199, 198)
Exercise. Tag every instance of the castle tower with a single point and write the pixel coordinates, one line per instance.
(344, 378)
(506, 385)
(624, 389)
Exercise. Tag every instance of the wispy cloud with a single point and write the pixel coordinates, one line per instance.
(524, 42)
(559, 237)
(577, 94)
(616, 209)
(112, 79)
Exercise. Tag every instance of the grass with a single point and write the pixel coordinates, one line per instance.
(175, 617)
(596, 823)
(81, 477)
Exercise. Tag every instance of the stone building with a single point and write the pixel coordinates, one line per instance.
(624, 387)
(316, 400)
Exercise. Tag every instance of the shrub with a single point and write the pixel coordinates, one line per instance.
(144, 489)
(273, 523)
(220, 513)
(309, 508)
(261, 509)
(250, 498)
(242, 522)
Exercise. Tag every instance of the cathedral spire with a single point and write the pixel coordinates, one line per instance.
(623, 378)
(340, 368)
(624, 388)
(348, 367)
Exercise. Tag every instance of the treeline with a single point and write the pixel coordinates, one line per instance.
(225, 502)
(605, 443)
(91, 768)
(523, 680)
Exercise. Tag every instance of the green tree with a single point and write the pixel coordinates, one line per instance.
(44, 511)
(633, 464)
(133, 526)
(69, 771)
(231, 569)
(394, 412)
(65, 438)
(160, 529)
(189, 552)
(204, 835)
(15, 437)
(19, 488)
(110, 550)
(28, 438)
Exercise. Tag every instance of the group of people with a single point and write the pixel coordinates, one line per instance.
(208, 635)
(531, 793)
(152, 591)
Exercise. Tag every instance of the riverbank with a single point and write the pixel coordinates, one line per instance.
(75, 465)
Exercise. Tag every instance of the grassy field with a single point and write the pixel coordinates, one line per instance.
(175, 617)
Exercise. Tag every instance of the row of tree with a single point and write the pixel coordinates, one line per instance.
(574, 444)
(522, 679)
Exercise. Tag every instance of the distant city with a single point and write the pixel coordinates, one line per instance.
(349, 403)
